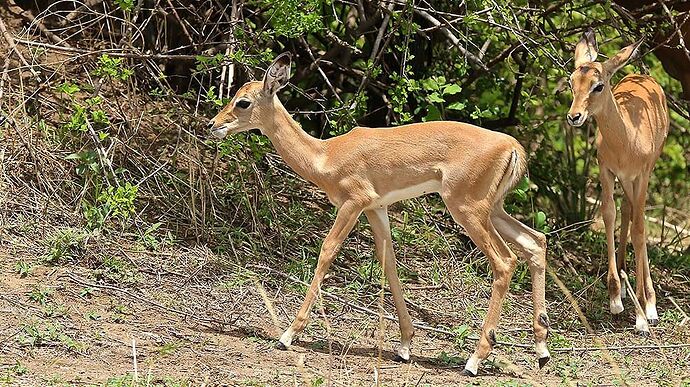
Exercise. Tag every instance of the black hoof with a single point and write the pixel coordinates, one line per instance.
(401, 359)
(281, 346)
(543, 361)
(643, 333)
(467, 372)
(653, 321)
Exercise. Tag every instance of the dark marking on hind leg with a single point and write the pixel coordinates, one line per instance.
(544, 322)
(492, 337)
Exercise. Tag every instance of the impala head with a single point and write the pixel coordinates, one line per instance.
(253, 101)
(591, 81)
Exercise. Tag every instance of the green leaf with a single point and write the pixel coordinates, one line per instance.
(523, 185)
(430, 84)
(433, 114)
(435, 98)
(539, 219)
(68, 88)
(456, 106)
(452, 89)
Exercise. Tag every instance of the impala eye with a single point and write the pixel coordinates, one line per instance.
(598, 88)
(243, 103)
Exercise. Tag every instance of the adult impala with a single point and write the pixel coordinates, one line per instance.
(633, 123)
(368, 169)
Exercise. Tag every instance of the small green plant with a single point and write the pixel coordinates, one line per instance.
(116, 270)
(87, 162)
(112, 202)
(41, 295)
(113, 68)
(212, 98)
(292, 18)
(19, 369)
(119, 313)
(55, 310)
(438, 92)
(370, 272)
(559, 341)
(22, 268)
(68, 88)
(238, 278)
(169, 348)
(64, 244)
(43, 333)
(152, 241)
(87, 292)
(125, 5)
(449, 360)
(16, 370)
(461, 333)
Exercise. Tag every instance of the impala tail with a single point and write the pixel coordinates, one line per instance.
(514, 171)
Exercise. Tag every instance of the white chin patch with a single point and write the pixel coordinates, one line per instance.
(579, 122)
(220, 132)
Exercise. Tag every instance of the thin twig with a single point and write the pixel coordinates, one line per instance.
(456, 42)
(115, 52)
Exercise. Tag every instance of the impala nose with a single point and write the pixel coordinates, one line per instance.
(574, 119)
(210, 125)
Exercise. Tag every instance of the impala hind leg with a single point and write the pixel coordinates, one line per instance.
(482, 232)
(380, 228)
(644, 286)
(344, 221)
(531, 246)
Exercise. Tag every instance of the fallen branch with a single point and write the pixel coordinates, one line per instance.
(13, 47)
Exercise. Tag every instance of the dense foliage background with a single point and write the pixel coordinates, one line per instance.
(104, 73)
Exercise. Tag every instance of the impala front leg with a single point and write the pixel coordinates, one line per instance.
(344, 221)
(608, 212)
(626, 211)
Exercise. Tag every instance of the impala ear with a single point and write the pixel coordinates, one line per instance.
(586, 49)
(622, 58)
(278, 73)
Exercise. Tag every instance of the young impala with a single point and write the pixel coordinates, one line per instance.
(368, 169)
(632, 119)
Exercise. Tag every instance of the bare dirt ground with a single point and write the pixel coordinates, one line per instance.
(194, 323)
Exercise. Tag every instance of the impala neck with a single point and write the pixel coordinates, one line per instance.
(298, 149)
(610, 121)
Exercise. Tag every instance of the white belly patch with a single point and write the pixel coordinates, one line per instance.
(407, 193)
